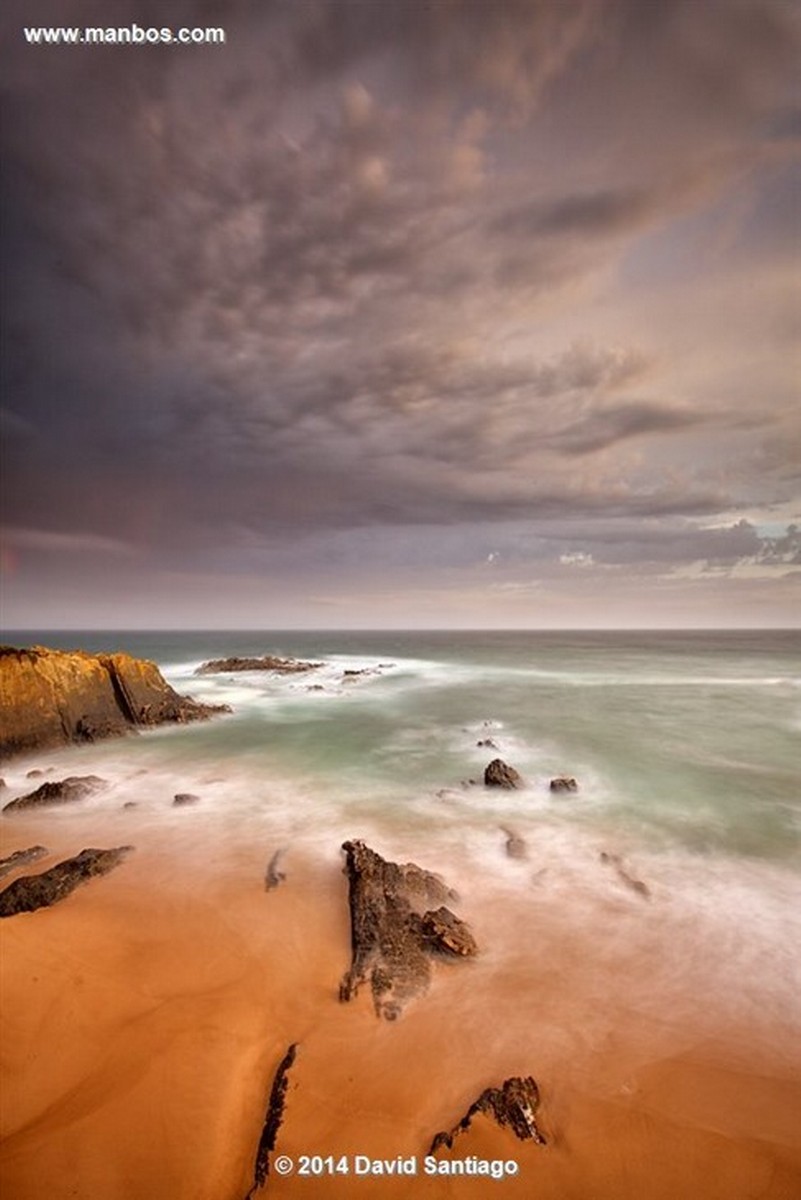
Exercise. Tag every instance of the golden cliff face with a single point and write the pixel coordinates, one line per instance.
(53, 697)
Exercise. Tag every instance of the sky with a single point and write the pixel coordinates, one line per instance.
(394, 314)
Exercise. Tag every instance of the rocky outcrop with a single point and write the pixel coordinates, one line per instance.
(272, 1121)
(283, 666)
(563, 783)
(513, 1106)
(394, 932)
(53, 697)
(40, 891)
(21, 858)
(498, 774)
(58, 791)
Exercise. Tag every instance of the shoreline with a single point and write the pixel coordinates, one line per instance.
(146, 1014)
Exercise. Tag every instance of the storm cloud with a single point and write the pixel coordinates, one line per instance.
(376, 289)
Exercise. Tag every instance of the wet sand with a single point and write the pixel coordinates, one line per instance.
(144, 1018)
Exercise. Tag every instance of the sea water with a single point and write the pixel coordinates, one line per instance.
(685, 748)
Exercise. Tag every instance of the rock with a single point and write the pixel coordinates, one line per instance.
(273, 877)
(40, 891)
(389, 913)
(498, 774)
(563, 783)
(513, 1106)
(487, 744)
(53, 698)
(34, 774)
(131, 804)
(59, 791)
(20, 858)
(515, 845)
(182, 798)
(445, 932)
(3, 784)
(636, 885)
(283, 666)
(272, 1121)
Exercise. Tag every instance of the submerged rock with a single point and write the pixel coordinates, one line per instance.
(269, 662)
(563, 783)
(40, 891)
(498, 774)
(21, 858)
(272, 876)
(59, 791)
(636, 885)
(513, 1106)
(182, 798)
(515, 845)
(272, 1121)
(394, 933)
(53, 698)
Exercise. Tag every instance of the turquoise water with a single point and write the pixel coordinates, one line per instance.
(686, 740)
(686, 752)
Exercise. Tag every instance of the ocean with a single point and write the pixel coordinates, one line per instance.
(677, 859)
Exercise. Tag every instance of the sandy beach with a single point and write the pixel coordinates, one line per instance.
(145, 1016)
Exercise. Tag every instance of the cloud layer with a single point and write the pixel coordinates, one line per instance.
(380, 288)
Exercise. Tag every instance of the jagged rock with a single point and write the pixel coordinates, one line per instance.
(182, 798)
(40, 891)
(390, 948)
(636, 885)
(272, 1121)
(272, 876)
(269, 662)
(53, 698)
(446, 932)
(515, 845)
(59, 791)
(564, 783)
(20, 858)
(498, 774)
(513, 1106)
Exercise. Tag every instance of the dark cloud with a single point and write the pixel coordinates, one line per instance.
(370, 265)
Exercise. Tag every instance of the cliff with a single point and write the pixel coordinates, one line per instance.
(53, 697)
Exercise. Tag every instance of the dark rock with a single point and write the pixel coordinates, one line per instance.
(498, 774)
(40, 891)
(182, 798)
(390, 948)
(513, 1106)
(3, 784)
(564, 783)
(283, 666)
(272, 1121)
(636, 885)
(34, 774)
(487, 744)
(447, 933)
(20, 858)
(130, 804)
(314, 687)
(273, 877)
(59, 791)
(515, 845)
(53, 698)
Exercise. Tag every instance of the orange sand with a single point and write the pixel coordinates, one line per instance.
(144, 1018)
